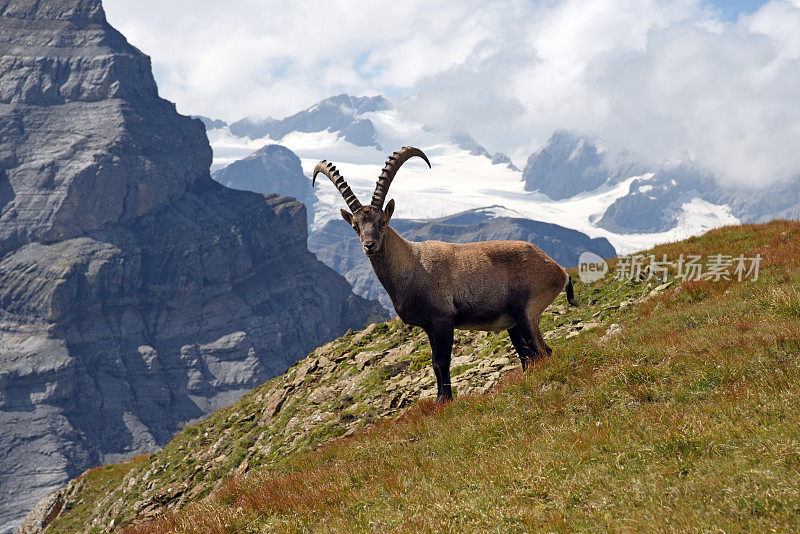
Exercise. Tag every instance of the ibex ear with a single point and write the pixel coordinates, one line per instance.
(347, 216)
(389, 209)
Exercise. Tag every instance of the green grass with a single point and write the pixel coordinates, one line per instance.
(687, 420)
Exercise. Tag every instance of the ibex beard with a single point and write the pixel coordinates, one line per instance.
(491, 285)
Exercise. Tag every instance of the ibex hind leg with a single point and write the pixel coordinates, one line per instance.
(526, 355)
(528, 326)
(528, 320)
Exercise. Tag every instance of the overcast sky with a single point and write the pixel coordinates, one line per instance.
(717, 83)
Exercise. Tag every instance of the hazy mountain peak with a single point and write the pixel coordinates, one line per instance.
(270, 169)
(209, 123)
(340, 113)
(356, 105)
(465, 141)
(566, 165)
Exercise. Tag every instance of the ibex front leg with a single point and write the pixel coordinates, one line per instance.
(441, 337)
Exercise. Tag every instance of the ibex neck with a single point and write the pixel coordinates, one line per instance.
(394, 262)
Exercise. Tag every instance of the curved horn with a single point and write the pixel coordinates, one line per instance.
(328, 169)
(390, 169)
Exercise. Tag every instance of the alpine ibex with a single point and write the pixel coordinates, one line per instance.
(492, 285)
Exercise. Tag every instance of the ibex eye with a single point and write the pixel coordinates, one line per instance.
(382, 224)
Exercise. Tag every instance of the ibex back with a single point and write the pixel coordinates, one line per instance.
(491, 285)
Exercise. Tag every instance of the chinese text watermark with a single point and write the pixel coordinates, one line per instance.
(714, 267)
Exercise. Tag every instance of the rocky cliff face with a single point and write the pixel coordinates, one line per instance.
(84, 139)
(135, 292)
(338, 246)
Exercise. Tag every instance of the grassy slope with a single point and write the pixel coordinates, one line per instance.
(685, 420)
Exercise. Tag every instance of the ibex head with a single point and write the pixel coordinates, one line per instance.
(370, 225)
(370, 222)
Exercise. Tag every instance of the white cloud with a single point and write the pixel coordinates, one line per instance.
(668, 79)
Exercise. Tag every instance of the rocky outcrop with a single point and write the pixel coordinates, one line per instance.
(135, 292)
(338, 246)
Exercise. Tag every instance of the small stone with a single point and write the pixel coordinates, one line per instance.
(658, 289)
(613, 330)
(364, 333)
(365, 358)
(320, 395)
(273, 405)
(309, 365)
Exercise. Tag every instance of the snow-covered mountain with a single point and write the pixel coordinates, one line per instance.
(573, 180)
(660, 198)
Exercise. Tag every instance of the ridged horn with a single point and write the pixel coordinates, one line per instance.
(390, 169)
(328, 169)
